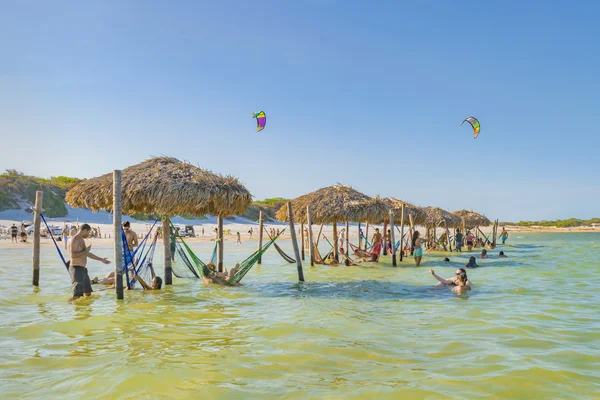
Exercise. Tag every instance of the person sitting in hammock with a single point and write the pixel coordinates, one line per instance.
(331, 259)
(156, 280)
(109, 279)
(348, 261)
(211, 275)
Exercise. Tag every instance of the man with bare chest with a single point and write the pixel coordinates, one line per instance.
(132, 239)
(79, 254)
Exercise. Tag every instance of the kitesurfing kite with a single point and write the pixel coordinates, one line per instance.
(261, 120)
(475, 124)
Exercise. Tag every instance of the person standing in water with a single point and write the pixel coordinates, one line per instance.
(459, 240)
(14, 231)
(79, 253)
(251, 231)
(376, 237)
(65, 235)
(132, 239)
(504, 235)
(417, 250)
(239, 238)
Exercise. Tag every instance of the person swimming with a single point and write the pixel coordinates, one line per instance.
(483, 254)
(501, 255)
(472, 263)
(459, 279)
(446, 259)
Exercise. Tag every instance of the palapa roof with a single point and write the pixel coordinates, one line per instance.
(332, 204)
(165, 186)
(472, 218)
(435, 216)
(391, 203)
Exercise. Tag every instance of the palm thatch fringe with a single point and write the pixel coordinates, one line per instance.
(435, 216)
(472, 219)
(165, 186)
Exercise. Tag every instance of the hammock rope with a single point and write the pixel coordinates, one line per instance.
(54, 241)
(282, 253)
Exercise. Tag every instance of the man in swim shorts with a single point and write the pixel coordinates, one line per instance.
(79, 254)
(132, 239)
(14, 231)
(504, 235)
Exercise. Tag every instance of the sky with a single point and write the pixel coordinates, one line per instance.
(369, 94)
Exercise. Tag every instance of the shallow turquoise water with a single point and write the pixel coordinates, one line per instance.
(529, 329)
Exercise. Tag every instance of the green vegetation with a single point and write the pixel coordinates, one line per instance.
(16, 186)
(268, 206)
(560, 223)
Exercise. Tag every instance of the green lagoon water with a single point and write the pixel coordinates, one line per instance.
(529, 329)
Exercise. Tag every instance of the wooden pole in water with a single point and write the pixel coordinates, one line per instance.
(495, 232)
(220, 246)
(402, 233)
(117, 205)
(302, 239)
(411, 232)
(366, 236)
(335, 243)
(448, 243)
(347, 239)
(319, 236)
(295, 243)
(359, 237)
(166, 236)
(393, 237)
(39, 198)
(311, 248)
(260, 234)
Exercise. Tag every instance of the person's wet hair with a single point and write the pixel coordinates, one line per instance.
(157, 282)
(206, 271)
(501, 253)
(347, 262)
(446, 259)
(85, 227)
(484, 251)
(126, 224)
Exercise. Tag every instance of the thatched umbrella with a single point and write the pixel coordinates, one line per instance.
(168, 187)
(435, 216)
(333, 204)
(391, 203)
(165, 186)
(472, 219)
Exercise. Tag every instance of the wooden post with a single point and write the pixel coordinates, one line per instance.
(347, 239)
(402, 233)
(335, 243)
(220, 245)
(385, 226)
(392, 237)
(359, 238)
(117, 204)
(411, 232)
(447, 236)
(319, 236)
(39, 198)
(311, 249)
(295, 243)
(495, 232)
(260, 234)
(366, 236)
(302, 239)
(166, 233)
(464, 232)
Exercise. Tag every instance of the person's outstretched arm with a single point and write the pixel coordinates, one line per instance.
(440, 279)
(141, 281)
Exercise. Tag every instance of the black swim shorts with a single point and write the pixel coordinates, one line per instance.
(80, 280)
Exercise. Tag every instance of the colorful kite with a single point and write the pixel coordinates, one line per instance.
(475, 124)
(261, 120)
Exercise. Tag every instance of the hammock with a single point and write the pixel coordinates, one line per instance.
(280, 251)
(138, 259)
(195, 265)
(319, 259)
(364, 253)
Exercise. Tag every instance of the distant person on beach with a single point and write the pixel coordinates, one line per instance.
(458, 280)
(483, 254)
(472, 263)
(417, 250)
(501, 255)
(459, 240)
(65, 235)
(132, 239)
(79, 254)
(23, 233)
(251, 231)
(202, 231)
(239, 238)
(503, 235)
(14, 232)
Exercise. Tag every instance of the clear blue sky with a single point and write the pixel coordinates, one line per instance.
(88, 87)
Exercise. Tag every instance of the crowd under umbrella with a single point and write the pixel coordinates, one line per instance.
(394, 211)
(331, 205)
(434, 217)
(167, 187)
(473, 220)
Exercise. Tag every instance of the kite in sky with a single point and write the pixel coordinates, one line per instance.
(261, 120)
(475, 124)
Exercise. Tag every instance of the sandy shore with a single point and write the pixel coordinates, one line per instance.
(243, 228)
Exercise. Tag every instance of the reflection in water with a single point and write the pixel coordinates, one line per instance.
(528, 328)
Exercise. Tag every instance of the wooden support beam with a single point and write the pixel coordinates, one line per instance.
(260, 234)
(37, 216)
(402, 233)
(295, 243)
(220, 245)
(311, 248)
(117, 206)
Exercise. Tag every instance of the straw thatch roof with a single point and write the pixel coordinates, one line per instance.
(472, 218)
(333, 204)
(391, 203)
(435, 216)
(165, 186)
